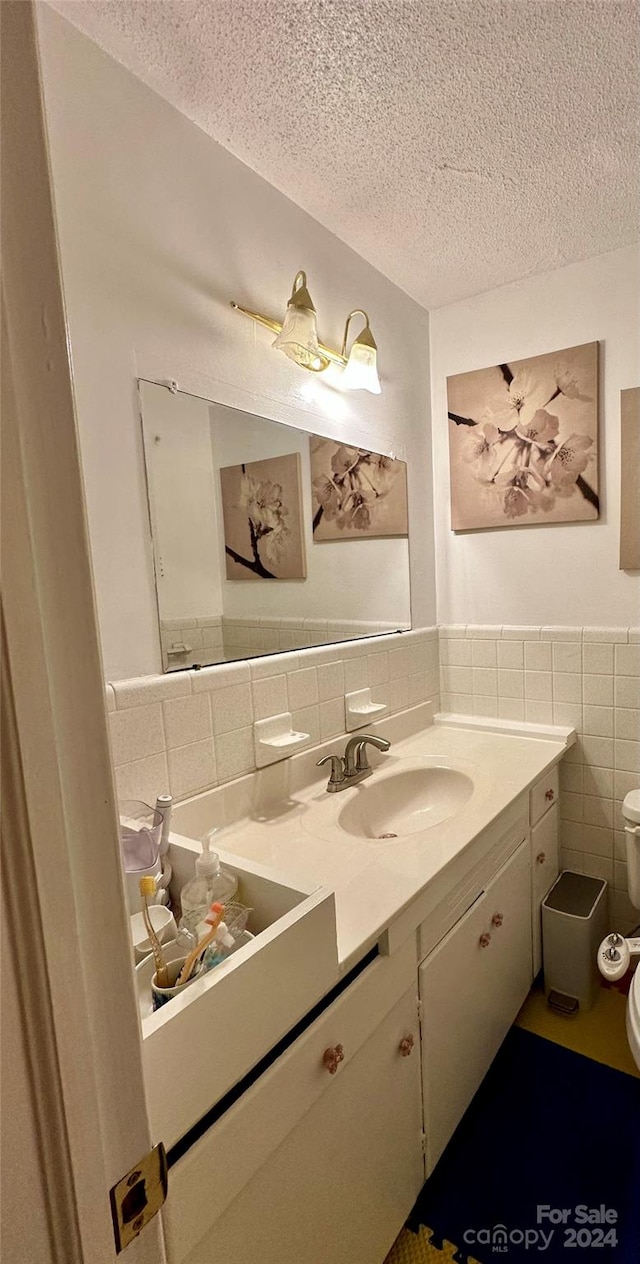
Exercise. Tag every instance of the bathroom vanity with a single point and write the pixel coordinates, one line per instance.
(324, 1067)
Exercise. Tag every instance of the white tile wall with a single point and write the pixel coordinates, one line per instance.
(245, 637)
(202, 636)
(587, 677)
(192, 767)
(216, 639)
(193, 729)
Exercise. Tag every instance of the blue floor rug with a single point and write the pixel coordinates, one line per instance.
(549, 1145)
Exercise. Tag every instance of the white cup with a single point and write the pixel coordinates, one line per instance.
(163, 923)
(161, 995)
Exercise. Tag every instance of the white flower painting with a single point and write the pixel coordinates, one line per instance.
(262, 511)
(523, 441)
(356, 493)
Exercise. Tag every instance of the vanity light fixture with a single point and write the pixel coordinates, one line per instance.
(297, 336)
(361, 372)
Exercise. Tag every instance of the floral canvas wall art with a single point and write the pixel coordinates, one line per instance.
(262, 512)
(630, 479)
(356, 494)
(523, 441)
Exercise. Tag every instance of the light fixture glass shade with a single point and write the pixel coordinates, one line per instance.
(298, 338)
(361, 372)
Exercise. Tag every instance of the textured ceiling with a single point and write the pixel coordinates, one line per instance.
(455, 144)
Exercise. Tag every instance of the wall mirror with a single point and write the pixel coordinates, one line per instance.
(266, 537)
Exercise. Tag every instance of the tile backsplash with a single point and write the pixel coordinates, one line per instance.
(216, 638)
(190, 730)
(587, 677)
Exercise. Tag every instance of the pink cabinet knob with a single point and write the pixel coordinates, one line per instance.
(550, 795)
(541, 858)
(497, 919)
(405, 1046)
(332, 1058)
(485, 940)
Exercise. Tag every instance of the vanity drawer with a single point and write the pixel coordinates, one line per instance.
(543, 794)
(457, 900)
(196, 1048)
(250, 1142)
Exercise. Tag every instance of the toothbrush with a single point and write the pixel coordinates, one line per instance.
(213, 919)
(148, 888)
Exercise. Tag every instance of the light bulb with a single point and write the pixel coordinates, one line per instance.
(298, 338)
(361, 372)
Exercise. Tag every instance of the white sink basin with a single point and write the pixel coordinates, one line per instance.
(404, 802)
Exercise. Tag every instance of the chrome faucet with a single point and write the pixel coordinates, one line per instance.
(352, 767)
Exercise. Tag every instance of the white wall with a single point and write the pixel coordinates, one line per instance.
(540, 575)
(159, 228)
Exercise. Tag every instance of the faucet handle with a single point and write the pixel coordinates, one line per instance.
(337, 768)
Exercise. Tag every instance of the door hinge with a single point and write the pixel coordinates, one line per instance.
(419, 1009)
(138, 1196)
(423, 1142)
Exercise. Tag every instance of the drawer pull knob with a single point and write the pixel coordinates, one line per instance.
(405, 1046)
(332, 1058)
(485, 940)
(541, 858)
(497, 919)
(550, 795)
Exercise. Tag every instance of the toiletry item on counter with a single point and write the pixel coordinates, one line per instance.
(213, 921)
(140, 833)
(212, 883)
(219, 948)
(164, 806)
(236, 917)
(147, 889)
(161, 995)
(163, 923)
(150, 998)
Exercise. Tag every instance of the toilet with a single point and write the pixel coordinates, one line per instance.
(615, 952)
(633, 1018)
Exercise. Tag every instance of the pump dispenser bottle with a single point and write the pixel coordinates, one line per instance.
(212, 884)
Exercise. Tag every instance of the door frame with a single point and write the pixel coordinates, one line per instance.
(62, 876)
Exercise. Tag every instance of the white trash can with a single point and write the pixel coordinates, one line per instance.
(574, 923)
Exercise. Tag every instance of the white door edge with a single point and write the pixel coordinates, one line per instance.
(64, 893)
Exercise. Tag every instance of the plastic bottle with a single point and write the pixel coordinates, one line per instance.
(212, 883)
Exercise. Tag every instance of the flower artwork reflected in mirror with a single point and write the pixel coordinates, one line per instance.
(240, 562)
(523, 441)
(356, 493)
(262, 514)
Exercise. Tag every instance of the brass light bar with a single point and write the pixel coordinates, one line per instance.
(276, 325)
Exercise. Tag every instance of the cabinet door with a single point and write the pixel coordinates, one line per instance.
(342, 1183)
(544, 860)
(472, 986)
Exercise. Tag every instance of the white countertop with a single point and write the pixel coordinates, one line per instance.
(373, 879)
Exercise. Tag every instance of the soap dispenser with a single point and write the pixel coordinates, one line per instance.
(212, 884)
